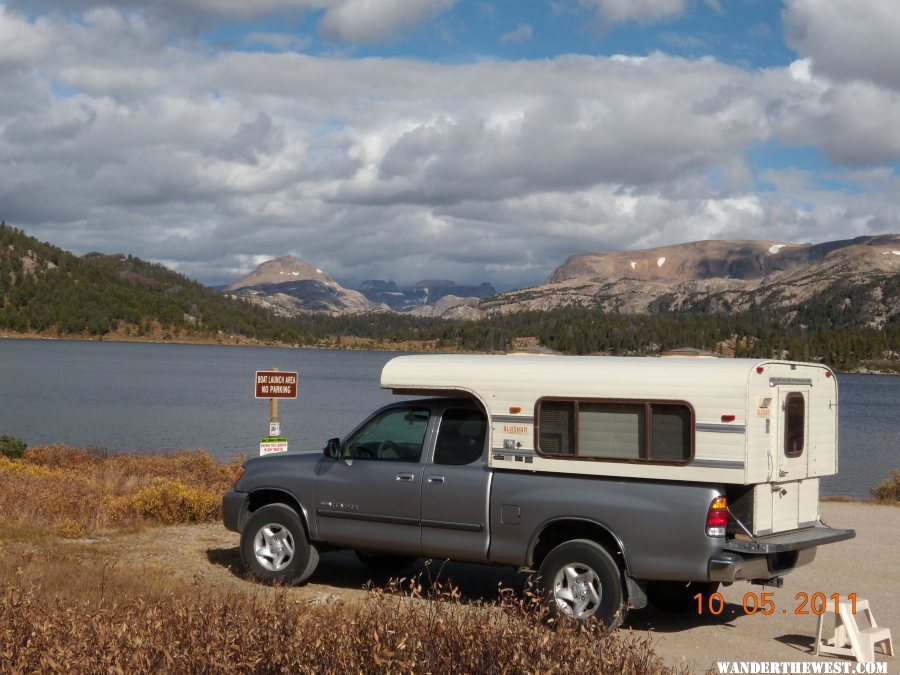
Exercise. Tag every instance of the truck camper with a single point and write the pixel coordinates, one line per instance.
(617, 480)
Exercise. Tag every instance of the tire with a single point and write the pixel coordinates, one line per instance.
(385, 564)
(678, 596)
(275, 548)
(580, 579)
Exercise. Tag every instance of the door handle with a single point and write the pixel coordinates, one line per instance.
(435, 479)
(405, 477)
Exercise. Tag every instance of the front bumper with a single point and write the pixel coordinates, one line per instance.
(233, 508)
(772, 555)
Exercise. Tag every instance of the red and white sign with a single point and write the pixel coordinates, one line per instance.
(276, 384)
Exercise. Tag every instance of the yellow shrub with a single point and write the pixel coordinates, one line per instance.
(170, 502)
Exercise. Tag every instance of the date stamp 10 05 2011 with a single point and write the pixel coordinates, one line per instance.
(764, 603)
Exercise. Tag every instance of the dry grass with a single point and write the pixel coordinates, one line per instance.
(76, 607)
(77, 492)
(889, 491)
(394, 630)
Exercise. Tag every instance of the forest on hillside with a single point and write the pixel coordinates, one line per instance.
(48, 291)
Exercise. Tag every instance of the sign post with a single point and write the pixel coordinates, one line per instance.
(273, 385)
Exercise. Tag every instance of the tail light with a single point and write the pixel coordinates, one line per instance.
(717, 517)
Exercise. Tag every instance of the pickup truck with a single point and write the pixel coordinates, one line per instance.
(453, 477)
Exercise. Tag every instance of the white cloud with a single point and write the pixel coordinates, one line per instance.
(375, 20)
(522, 33)
(613, 12)
(847, 39)
(118, 139)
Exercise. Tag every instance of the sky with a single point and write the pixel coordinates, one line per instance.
(444, 139)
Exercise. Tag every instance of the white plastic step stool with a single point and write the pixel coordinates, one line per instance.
(849, 639)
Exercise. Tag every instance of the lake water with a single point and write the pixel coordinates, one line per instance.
(137, 397)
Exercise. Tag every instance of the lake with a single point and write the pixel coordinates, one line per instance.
(143, 397)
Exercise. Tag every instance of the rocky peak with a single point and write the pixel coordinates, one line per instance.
(282, 270)
(736, 259)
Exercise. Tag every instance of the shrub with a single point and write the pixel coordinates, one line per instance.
(76, 492)
(889, 490)
(171, 502)
(12, 447)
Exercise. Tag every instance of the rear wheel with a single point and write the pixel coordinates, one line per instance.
(581, 580)
(275, 548)
(678, 596)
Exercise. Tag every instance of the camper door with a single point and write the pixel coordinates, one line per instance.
(790, 452)
(791, 438)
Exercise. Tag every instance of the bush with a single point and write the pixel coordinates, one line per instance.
(77, 492)
(12, 447)
(171, 502)
(889, 490)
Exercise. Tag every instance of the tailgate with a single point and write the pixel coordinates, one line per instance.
(797, 540)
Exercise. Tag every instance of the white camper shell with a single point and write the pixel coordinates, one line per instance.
(767, 430)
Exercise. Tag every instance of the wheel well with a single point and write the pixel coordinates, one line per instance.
(558, 532)
(260, 498)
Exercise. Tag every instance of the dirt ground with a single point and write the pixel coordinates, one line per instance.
(866, 565)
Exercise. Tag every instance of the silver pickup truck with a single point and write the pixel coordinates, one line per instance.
(434, 477)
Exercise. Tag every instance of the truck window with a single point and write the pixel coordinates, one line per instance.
(794, 422)
(647, 431)
(394, 435)
(461, 437)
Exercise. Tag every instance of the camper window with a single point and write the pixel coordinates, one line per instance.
(631, 431)
(794, 414)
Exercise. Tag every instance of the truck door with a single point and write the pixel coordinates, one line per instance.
(369, 498)
(455, 488)
(791, 454)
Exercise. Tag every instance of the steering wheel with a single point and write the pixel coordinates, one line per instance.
(386, 447)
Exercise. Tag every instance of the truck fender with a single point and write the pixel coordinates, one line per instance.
(563, 528)
(262, 496)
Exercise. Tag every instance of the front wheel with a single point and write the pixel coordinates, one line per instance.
(579, 579)
(274, 546)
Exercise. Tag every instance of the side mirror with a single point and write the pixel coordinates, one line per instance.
(332, 448)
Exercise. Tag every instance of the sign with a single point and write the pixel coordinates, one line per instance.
(269, 445)
(276, 384)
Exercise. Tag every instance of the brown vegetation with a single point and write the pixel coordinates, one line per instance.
(76, 607)
(889, 490)
(76, 492)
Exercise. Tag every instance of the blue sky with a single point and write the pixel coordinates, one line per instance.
(461, 139)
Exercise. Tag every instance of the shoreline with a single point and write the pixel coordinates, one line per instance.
(343, 344)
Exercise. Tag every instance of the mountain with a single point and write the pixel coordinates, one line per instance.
(45, 290)
(288, 286)
(724, 259)
(424, 294)
(719, 276)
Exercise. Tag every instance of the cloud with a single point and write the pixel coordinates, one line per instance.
(522, 33)
(350, 21)
(613, 12)
(847, 39)
(121, 139)
(359, 21)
